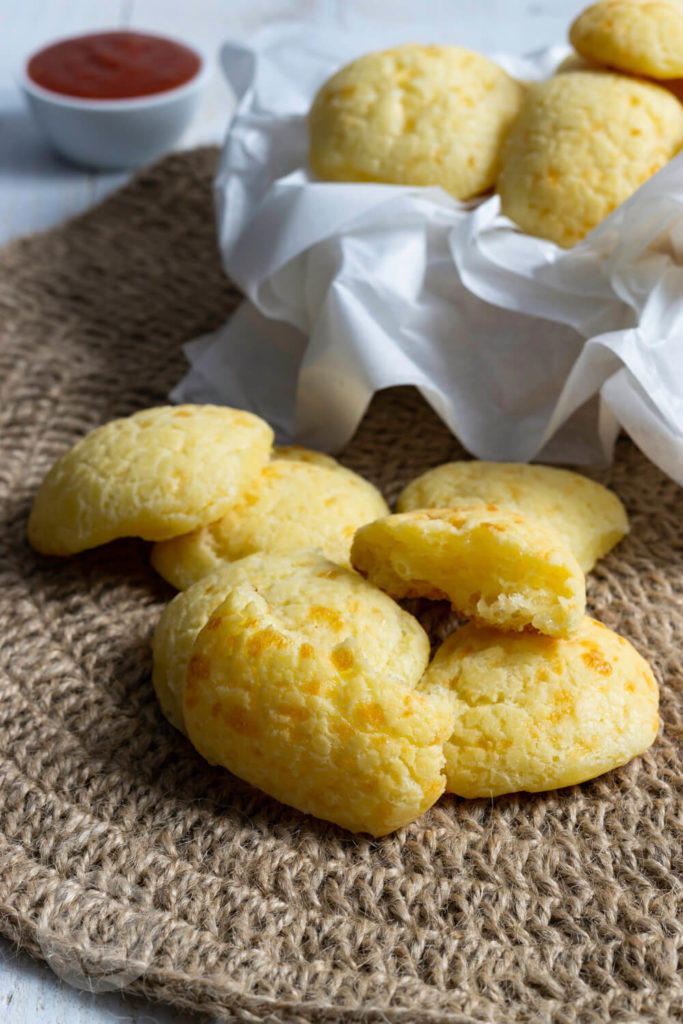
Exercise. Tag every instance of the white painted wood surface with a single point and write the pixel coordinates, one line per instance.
(38, 189)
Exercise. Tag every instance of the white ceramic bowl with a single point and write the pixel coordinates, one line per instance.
(114, 133)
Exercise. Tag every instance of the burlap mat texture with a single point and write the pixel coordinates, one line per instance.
(124, 857)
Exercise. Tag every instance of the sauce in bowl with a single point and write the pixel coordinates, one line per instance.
(113, 65)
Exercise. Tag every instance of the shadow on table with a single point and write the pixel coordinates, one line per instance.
(23, 148)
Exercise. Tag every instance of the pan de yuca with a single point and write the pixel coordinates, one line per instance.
(582, 144)
(414, 115)
(493, 566)
(302, 683)
(534, 712)
(588, 517)
(642, 37)
(299, 500)
(155, 474)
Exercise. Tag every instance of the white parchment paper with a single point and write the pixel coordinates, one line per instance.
(524, 349)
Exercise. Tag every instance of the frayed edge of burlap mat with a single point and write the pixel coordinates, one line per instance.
(126, 862)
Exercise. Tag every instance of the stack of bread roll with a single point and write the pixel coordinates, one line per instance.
(562, 153)
(287, 657)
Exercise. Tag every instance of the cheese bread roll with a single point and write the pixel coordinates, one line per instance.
(155, 474)
(299, 500)
(643, 37)
(589, 518)
(493, 566)
(584, 142)
(414, 115)
(303, 685)
(533, 712)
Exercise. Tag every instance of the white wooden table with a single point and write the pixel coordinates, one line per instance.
(38, 189)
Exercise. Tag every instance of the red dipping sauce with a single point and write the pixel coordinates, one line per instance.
(113, 66)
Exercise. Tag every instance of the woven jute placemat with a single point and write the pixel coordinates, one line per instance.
(126, 861)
